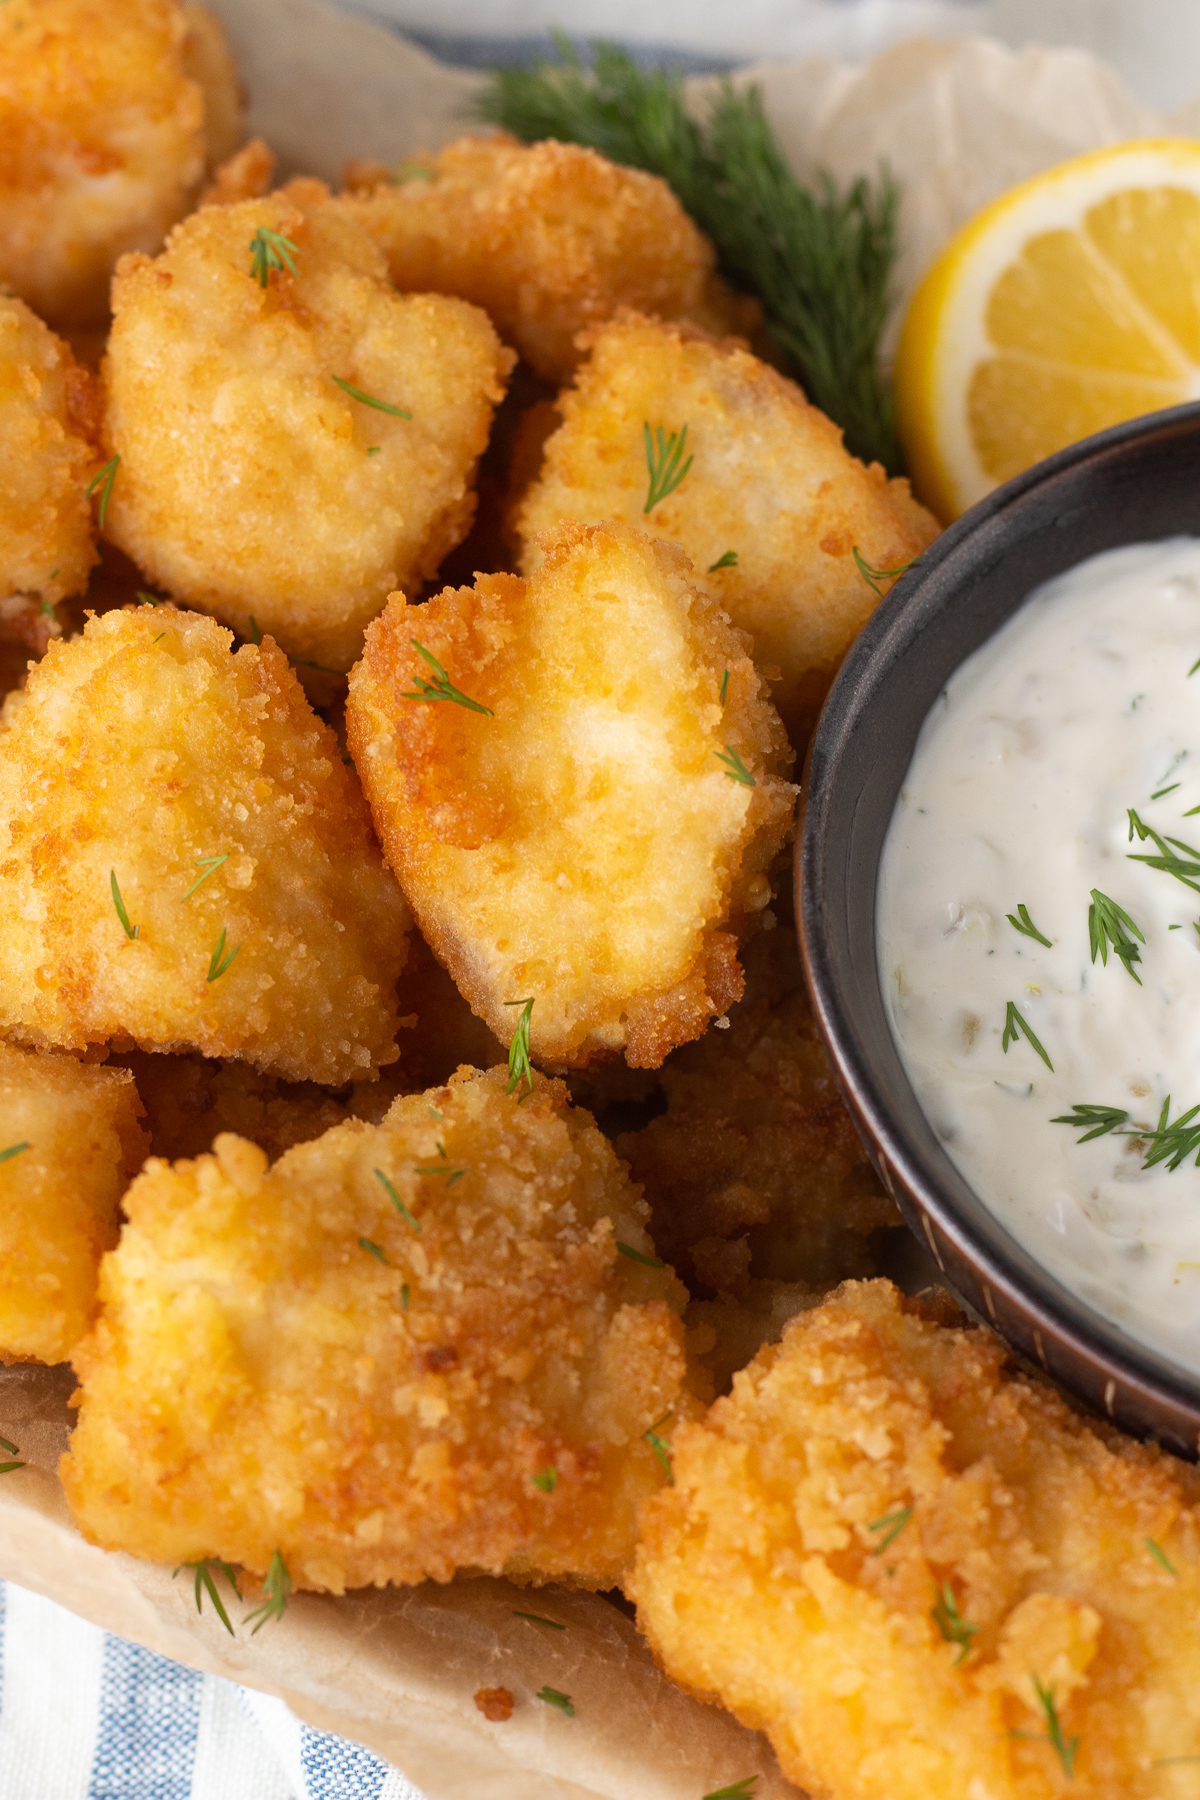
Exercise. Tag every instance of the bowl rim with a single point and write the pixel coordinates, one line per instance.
(1027, 1291)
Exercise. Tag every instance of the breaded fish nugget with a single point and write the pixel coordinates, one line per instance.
(406, 1349)
(102, 143)
(71, 1145)
(548, 238)
(592, 829)
(293, 446)
(923, 1577)
(770, 486)
(186, 863)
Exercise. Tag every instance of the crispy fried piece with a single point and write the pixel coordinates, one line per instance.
(880, 1545)
(380, 1367)
(191, 1100)
(251, 485)
(769, 481)
(102, 144)
(71, 1144)
(585, 846)
(247, 175)
(145, 749)
(723, 1335)
(208, 61)
(548, 238)
(755, 1169)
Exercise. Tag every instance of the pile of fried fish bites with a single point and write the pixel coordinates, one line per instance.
(312, 989)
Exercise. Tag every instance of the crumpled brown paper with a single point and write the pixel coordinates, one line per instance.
(957, 122)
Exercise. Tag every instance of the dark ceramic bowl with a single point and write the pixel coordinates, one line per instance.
(1132, 484)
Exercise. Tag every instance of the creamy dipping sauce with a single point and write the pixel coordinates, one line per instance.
(1077, 711)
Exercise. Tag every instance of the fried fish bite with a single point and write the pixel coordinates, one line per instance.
(771, 505)
(591, 830)
(294, 445)
(102, 142)
(72, 1143)
(548, 238)
(921, 1574)
(404, 1350)
(185, 861)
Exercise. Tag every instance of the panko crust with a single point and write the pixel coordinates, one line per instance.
(771, 1576)
(285, 1361)
(585, 845)
(142, 748)
(770, 480)
(549, 239)
(49, 432)
(59, 1194)
(102, 144)
(253, 487)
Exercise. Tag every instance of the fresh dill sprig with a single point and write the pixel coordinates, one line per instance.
(217, 966)
(1025, 925)
(277, 1591)
(210, 865)
(271, 250)
(206, 1585)
(1093, 1121)
(519, 1066)
(738, 1790)
(13, 1450)
(628, 1250)
(1161, 793)
(950, 1622)
(546, 1479)
(1065, 1749)
(1160, 1556)
(364, 1243)
(1171, 1143)
(820, 260)
(893, 1524)
(873, 576)
(537, 1619)
(397, 1202)
(442, 1168)
(1014, 1026)
(728, 561)
(1108, 924)
(660, 1448)
(107, 475)
(130, 931)
(1184, 868)
(6, 1155)
(736, 769)
(441, 687)
(397, 412)
(552, 1697)
(663, 457)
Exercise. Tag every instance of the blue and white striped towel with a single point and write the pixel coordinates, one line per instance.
(86, 1716)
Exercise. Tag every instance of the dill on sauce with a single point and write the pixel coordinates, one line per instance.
(1093, 1121)
(663, 456)
(1015, 1025)
(1108, 924)
(1025, 925)
(1184, 868)
(441, 687)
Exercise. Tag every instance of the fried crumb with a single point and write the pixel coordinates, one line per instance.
(495, 1703)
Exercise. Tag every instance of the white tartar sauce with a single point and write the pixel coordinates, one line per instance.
(1064, 750)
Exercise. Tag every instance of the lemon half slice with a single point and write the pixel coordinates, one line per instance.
(1067, 305)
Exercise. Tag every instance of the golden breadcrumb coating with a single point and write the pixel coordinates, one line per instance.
(755, 1170)
(378, 1366)
(548, 238)
(49, 411)
(882, 1545)
(71, 1144)
(586, 846)
(208, 61)
(247, 175)
(144, 753)
(251, 484)
(102, 143)
(769, 481)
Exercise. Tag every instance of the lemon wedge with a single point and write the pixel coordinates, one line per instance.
(1067, 305)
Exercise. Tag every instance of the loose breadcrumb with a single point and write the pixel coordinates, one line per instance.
(380, 1367)
(924, 1576)
(586, 846)
(186, 862)
(71, 1143)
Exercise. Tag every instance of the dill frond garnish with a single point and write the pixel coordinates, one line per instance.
(724, 686)
(1161, 793)
(660, 1448)
(404, 1298)
(277, 1591)
(13, 1450)
(152, 600)
(130, 931)
(736, 770)
(628, 1250)
(206, 1585)
(1025, 925)
(1014, 1026)
(397, 1202)
(1093, 1121)
(1065, 1749)
(364, 1243)
(1170, 1143)
(893, 1524)
(873, 576)
(547, 1480)
(255, 631)
(738, 1790)
(107, 475)
(374, 449)
(537, 1619)
(217, 966)
(663, 457)
(728, 561)
(397, 412)
(1185, 868)
(210, 865)
(820, 260)
(441, 1168)
(1160, 1556)
(552, 1697)
(6, 1156)
(519, 1066)
(950, 1622)
(441, 687)
(1108, 924)
(413, 171)
(271, 250)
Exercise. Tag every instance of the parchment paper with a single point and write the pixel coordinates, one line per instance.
(397, 1670)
